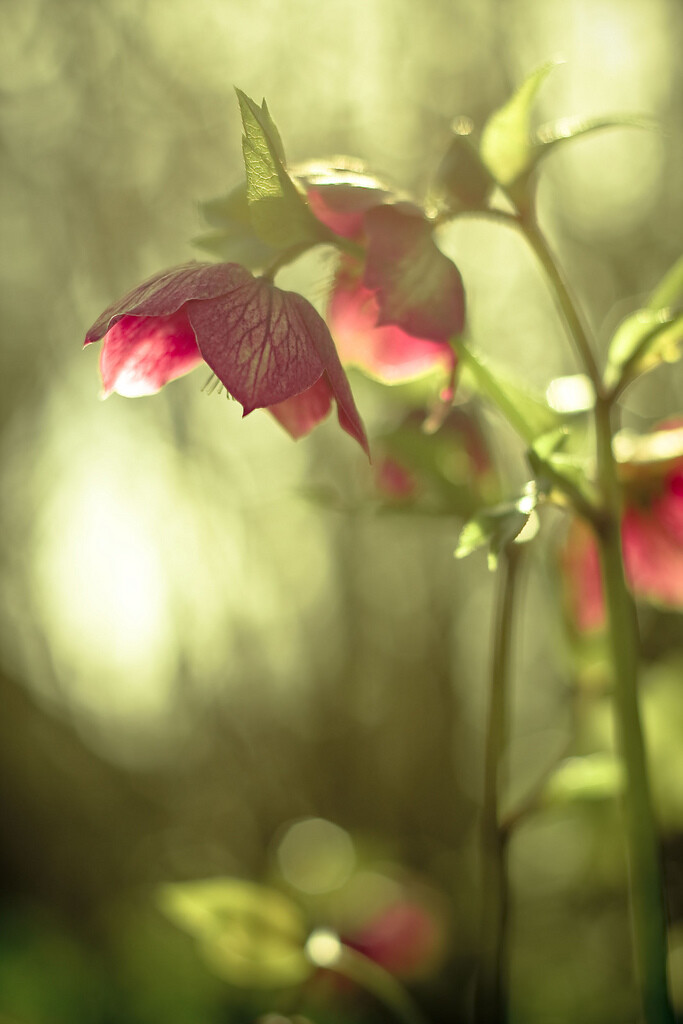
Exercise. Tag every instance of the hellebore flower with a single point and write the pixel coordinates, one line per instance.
(391, 311)
(268, 347)
(651, 531)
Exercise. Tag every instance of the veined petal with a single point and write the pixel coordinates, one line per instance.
(141, 354)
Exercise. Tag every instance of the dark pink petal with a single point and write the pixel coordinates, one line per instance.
(418, 288)
(167, 291)
(395, 480)
(386, 353)
(298, 415)
(267, 345)
(141, 354)
(339, 196)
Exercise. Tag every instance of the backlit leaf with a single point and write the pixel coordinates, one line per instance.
(279, 212)
(500, 525)
(644, 340)
(234, 238)
(507, 147)
(462, 181)
(249, 934)
(597, 776)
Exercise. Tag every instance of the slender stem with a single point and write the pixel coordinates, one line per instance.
(380, 983)
(574, 321)
(646, 883)
(492, 981)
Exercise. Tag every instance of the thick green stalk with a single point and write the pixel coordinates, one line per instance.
(646, 886)
(492, 980)
(647, 890)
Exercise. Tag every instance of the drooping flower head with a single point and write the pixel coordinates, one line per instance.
(392, 310)
(651, 471)
(268, 347)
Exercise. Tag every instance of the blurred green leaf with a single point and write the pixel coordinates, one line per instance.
(527, 413)
(549, 136)
(555, 468)
(507, 148)
(500, 525)
(642, 341)
(462, 181)
(579, 779)
(669, 291)
(248, 934)
(234, 238)
(279, 212)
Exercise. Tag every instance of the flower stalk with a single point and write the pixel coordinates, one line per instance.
(492, 980)
(645, 873)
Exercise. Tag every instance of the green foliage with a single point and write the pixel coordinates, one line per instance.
(233, 237)
(643, 341)
(279, 212)
(597, 776)
(462, 181)
(496, 527)
(557, 469)
(248, 934)
(507, 146)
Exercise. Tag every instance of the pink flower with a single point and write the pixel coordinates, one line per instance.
(405, 938)
(378, 323)
(268, 347)
(651, 533)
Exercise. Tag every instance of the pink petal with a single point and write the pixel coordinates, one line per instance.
(298, 415)
(387, 353)
(141, 354)
(653, 557)
(418, 288)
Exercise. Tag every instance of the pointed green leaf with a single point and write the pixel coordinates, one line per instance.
(279, 212)
(642, 341)
(500, 525)
(507, 147)
(669, 291)
(549, 136)
(248, 934)
(233, 238)
(526, 413)
(462, 181)
(597, 776)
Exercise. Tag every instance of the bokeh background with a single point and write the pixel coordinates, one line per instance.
(206, 669)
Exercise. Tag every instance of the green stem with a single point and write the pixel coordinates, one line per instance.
(646, 886)
(492, 980)
(380, 983)
(574, 321)
(646, 883)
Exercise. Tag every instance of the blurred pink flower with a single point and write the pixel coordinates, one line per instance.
(651, 534)
(405, 938)
(268, 347)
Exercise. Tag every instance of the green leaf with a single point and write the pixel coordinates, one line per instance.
(279, 212)
(500, 525)
(549, 136)
(581, 779)
(249, 934)
(564, 471)
(507, 147)
(669, 291)
(234, 238)
(462, 181)
(642, 341)
(526, 413)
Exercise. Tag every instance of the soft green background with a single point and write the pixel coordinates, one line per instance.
(194, 653)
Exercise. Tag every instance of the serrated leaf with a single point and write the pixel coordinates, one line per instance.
(500, 525)
(507, 147)
(526, 413)
(234, 239)
(644, 340)
(584, 779)
(418, 288)
(278, 211)
(249, 934)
